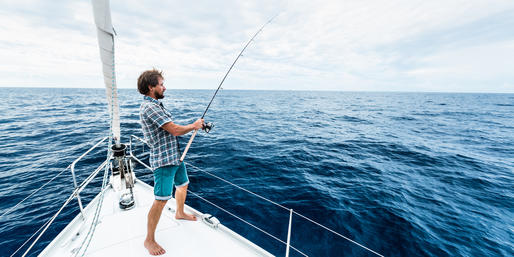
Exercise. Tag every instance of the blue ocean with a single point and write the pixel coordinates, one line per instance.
(404, 174)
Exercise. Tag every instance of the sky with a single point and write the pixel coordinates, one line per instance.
(407, 45)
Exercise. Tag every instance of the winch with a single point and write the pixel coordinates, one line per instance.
(121, 170)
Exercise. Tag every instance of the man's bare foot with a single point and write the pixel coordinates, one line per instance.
(185, 216)
(154, 248)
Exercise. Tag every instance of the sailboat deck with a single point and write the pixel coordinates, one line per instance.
(122, 232)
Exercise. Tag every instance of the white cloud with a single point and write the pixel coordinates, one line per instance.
(320, 45)
(35, 53)
(477, 68)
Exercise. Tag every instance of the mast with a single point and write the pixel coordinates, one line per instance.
(105, 31)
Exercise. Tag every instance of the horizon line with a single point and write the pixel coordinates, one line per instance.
(278, 90)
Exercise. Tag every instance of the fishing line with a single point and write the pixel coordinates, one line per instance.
(231, 66)
(207, 127)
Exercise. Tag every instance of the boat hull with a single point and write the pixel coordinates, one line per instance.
(122, 232)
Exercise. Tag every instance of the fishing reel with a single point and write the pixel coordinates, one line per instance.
(207, 127)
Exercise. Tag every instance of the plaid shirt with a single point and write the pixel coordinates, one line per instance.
(163, 145)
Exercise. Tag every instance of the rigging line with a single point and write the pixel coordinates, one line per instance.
(33, 234)
(279, 205)
(93, 174)
(35, 191)
(237, 58)
(244, 189)
(94, 221)
(364, 247)
(248, 223)
(47, 224)
(50, 222)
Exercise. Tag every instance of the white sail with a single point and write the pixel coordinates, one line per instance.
(105, 31)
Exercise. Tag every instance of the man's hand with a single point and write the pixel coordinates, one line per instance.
(198, 124)
(178, 130)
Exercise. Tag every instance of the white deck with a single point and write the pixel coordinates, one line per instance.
(122, 232)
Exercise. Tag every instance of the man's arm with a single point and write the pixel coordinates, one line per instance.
(178, 130)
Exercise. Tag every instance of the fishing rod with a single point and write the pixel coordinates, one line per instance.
(207, 127)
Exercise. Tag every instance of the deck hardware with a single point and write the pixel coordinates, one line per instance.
(123, 167)
(210, 221)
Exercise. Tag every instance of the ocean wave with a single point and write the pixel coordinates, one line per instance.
(404, 174)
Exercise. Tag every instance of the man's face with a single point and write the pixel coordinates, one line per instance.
(159, 89)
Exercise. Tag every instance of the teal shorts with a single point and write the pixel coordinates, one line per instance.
(167, 176)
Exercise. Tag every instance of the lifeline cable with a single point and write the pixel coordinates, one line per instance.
(279, 205)
(35, 191)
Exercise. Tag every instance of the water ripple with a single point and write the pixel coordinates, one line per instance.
(405, 174)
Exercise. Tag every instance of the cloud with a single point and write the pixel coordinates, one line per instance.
(476, 68)
(38, 52)
(311, 45)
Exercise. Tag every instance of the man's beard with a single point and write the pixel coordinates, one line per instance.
(159, 96)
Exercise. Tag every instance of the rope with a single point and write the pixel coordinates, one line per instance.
(94, 222)
(281, 206)
(97, 211)
(248, 223)
(35, 191)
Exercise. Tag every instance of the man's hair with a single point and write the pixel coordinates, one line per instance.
(148, 78)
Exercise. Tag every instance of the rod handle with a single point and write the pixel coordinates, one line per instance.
(188, 145)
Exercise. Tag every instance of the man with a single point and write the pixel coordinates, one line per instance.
(161, 134)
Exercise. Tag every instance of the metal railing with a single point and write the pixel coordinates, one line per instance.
(75, 193)
(132, 155)
(79, 188)
(91, 176)
(291, 211)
